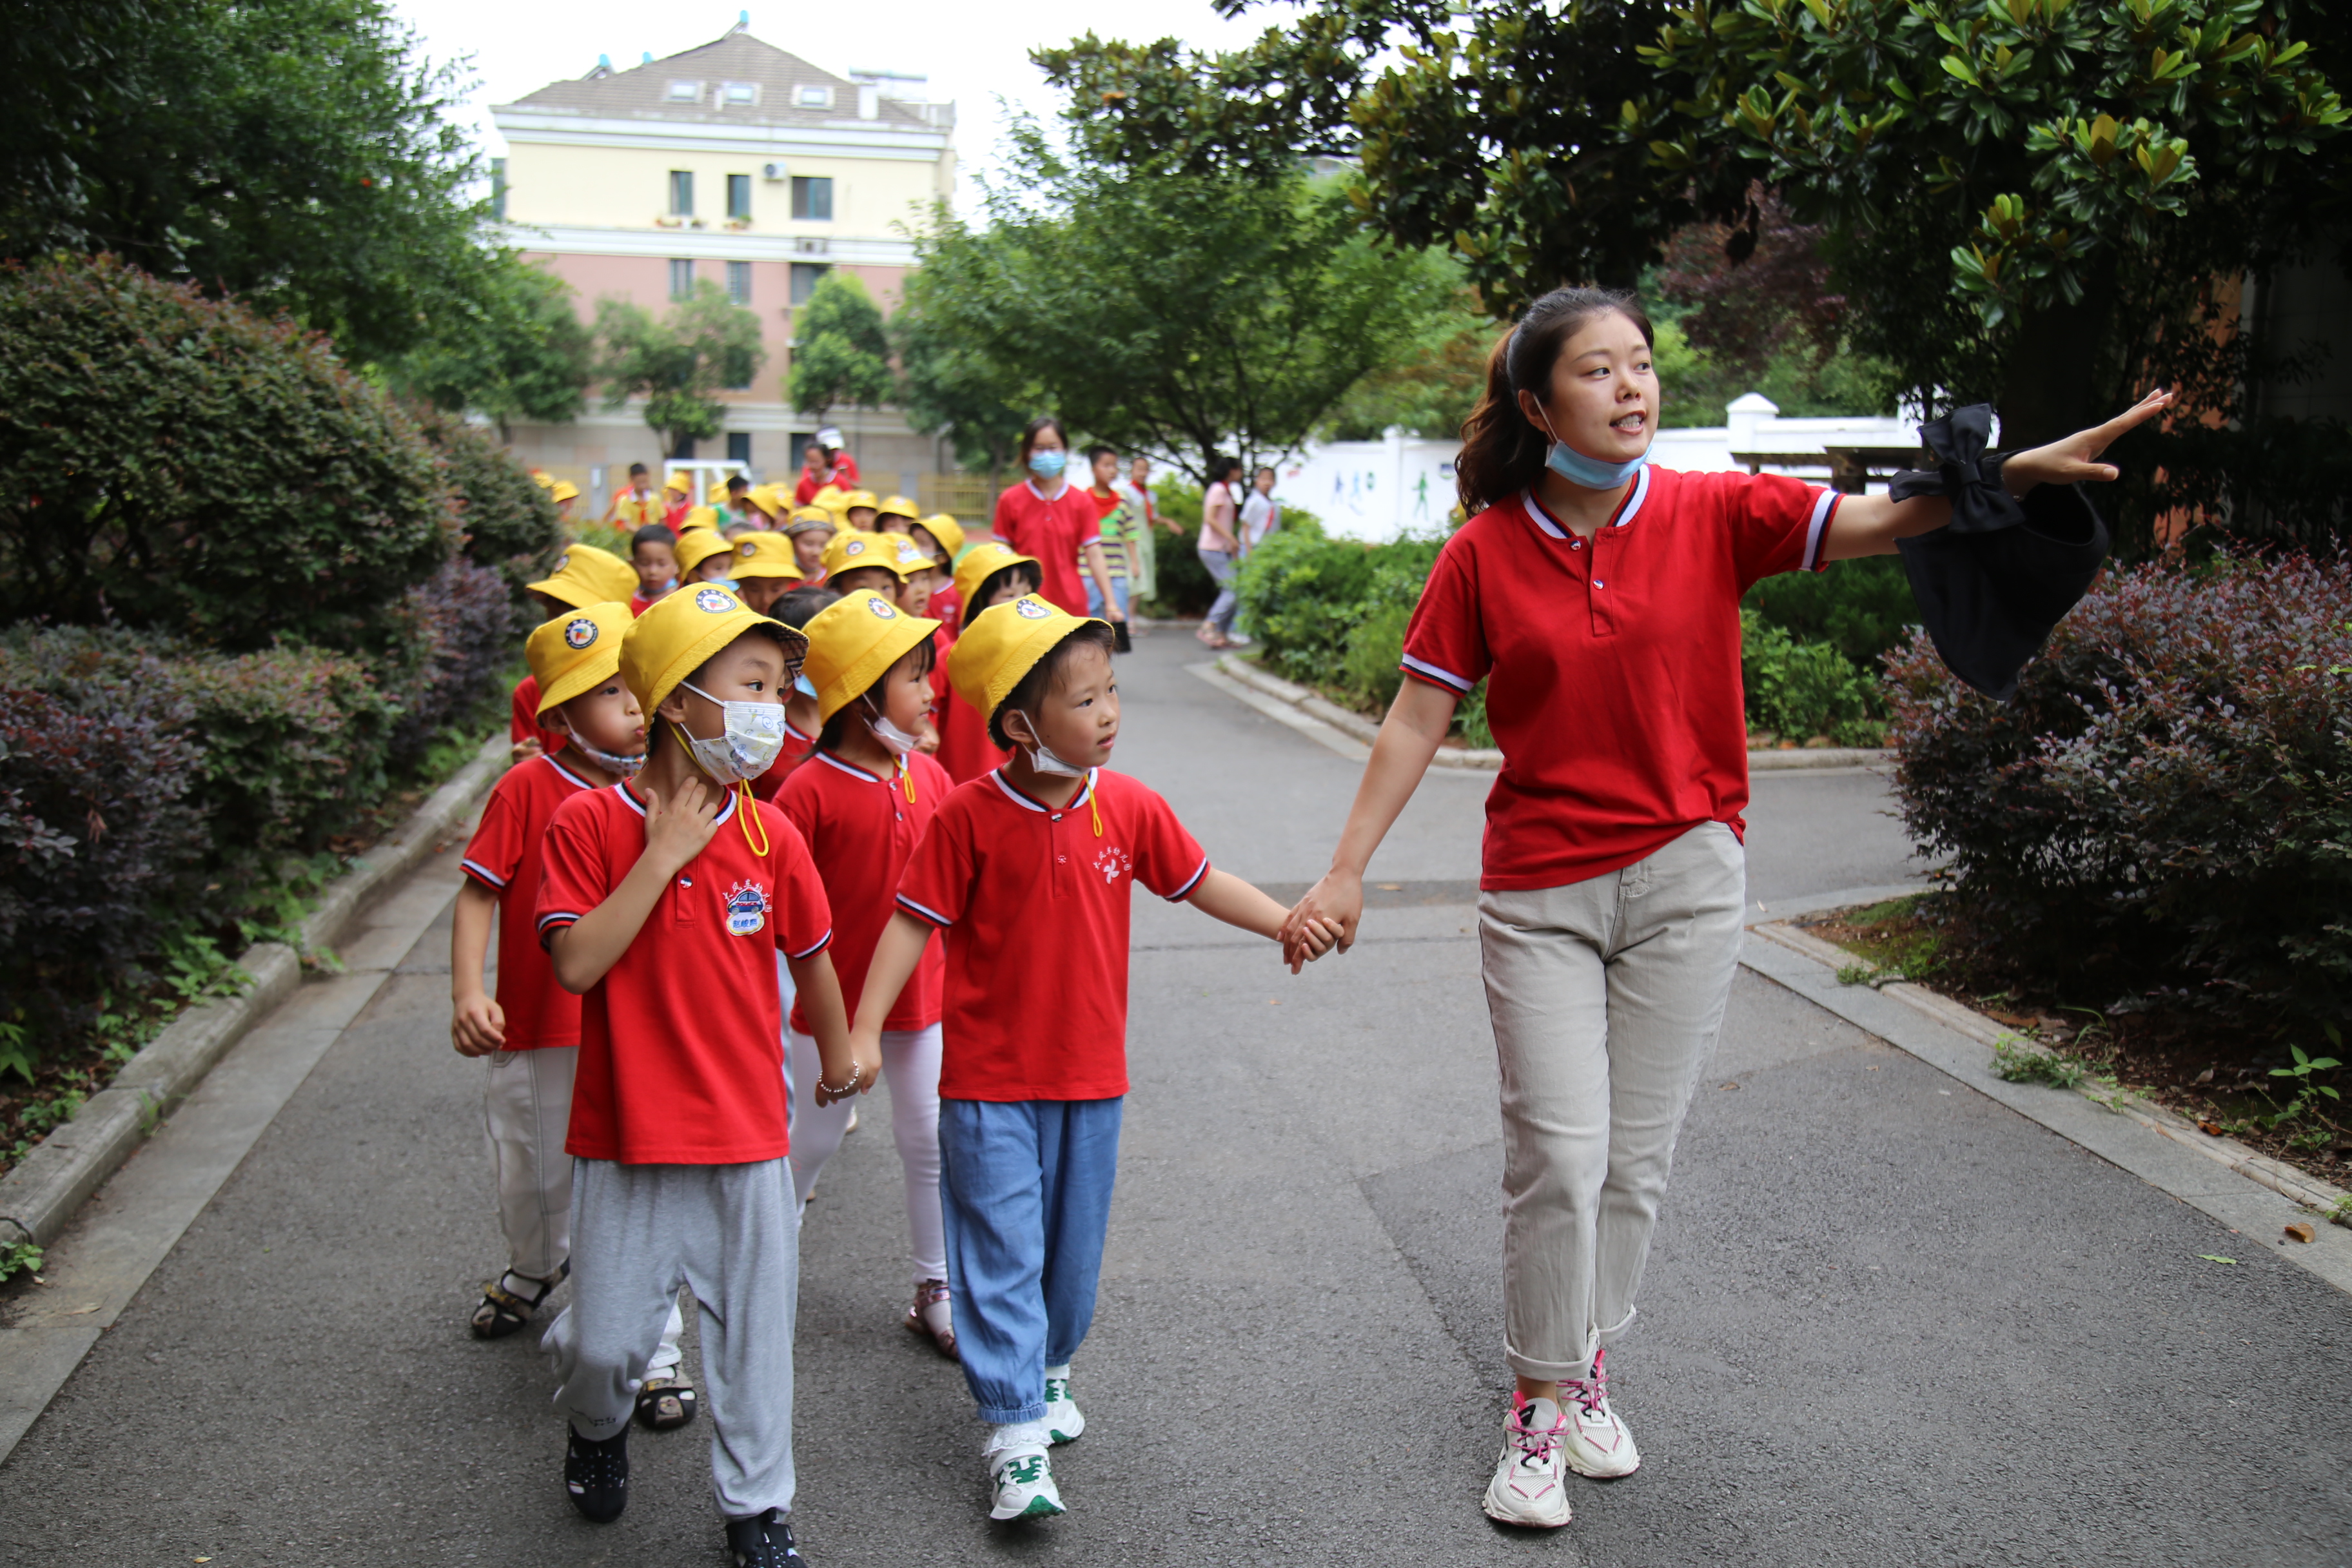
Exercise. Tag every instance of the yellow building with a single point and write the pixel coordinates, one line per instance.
(739, 165)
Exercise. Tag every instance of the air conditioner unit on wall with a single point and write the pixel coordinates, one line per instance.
(774, 171)
(809, 246)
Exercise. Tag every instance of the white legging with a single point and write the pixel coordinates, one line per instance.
(910, 1076)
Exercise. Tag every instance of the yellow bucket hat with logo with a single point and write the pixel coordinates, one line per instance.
(683, 631)
(813, 516)
(945, 529)
(832, 498)
(858, 498)
(852, 642)
(852, 548)
(897, 506)
(766, 555)
(576, 653)
(586, 575)
(1004, 644)
(696, 545)
(699, 517)
(984, 562)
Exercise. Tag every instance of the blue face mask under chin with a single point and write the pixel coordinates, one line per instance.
(1591, 472)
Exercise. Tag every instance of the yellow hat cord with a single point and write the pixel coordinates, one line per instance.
(747, 811)
(907, 780)
(1093, 806)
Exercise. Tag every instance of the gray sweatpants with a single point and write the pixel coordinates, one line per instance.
(1607, 998)
(731, 1232)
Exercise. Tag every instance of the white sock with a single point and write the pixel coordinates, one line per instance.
(1016, 1434)
(1062, 1372)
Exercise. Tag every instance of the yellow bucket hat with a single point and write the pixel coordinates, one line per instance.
(984, 562)
(1003, 645)
(586, 575)
(542, 478)
(696, 545)
(699, 517)
(771, 500)
(682, 632)
(563, 490)
(715, 495)
(852, 642)
(766, 555)
(832, 498)
(813, 516)
(858, 498)
(576, 653)
(683, 483)
(945, 529)
(897, 506)
(852, 548)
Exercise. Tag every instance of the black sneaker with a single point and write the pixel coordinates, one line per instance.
(596, 1475)
(763, 1540)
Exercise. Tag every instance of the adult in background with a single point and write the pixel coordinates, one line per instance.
(1220, 549)
(1047, 517)
(1599, 598)
(824, 463)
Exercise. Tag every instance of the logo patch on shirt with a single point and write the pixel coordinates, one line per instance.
(715, 601)
(882, 610)
(1114, 863)
(1030, 610)
(579, 634)
(746, 908)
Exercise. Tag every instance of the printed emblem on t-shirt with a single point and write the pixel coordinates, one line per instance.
(1030, 609)
(1113, 863)
(746, 908)
(882, 610)
(579, 634)
(716, 601)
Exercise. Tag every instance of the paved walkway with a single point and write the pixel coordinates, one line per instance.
(1887, 1320)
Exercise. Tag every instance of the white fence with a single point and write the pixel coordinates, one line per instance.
(1377, 490)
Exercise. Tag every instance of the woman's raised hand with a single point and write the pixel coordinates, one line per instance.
(2076, 457)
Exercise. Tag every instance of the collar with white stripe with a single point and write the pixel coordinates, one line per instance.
(638, 806)
(1041, 495)
(1018, 798)
(852, 769)
(1634, 496)
(574, 779)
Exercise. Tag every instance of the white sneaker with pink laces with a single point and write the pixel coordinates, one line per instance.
(1526, 1487)
(1597, 1444)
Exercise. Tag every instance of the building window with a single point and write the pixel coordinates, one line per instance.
(681, 192)
(739, 92)
(681, 278)
(739, 446)
(685, 91)
(738, 282)
(804, 277)
(498, 189)
(813, 198)
(738, 196)
(815, 98)
(683, 452)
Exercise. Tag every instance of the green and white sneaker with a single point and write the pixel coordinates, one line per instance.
(1021, 1479)
(1063, 1424)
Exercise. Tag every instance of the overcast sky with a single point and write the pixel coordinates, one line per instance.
(971, 52)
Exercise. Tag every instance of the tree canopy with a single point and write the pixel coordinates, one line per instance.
(705, 345)
(840, 357)
(515, 351)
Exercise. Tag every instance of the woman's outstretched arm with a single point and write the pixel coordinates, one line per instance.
(1869, 525)
(1408, 738)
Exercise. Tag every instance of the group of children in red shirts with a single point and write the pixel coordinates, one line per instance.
(733, 889)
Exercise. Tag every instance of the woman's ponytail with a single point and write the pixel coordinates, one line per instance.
(1502, 452)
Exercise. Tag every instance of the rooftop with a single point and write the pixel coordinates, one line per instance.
(741, 80)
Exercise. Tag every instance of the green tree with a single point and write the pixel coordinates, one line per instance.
(517, 352)
(292, 153)
(707, 344)
(1176, 313)
(841, 356)
(951, 389)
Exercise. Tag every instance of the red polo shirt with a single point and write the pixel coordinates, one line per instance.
(965, 750)
(861, 829)
(681, 1044)
(522, 722)
(504, 857)
(1035, 904)
(797, 750)
(1616, 692)
(1054, 532)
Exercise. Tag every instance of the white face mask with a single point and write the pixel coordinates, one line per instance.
(1045, 760)
(752, 737)
(895, 740)
(611, 761)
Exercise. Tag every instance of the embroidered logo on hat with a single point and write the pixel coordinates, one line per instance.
(715, 601)
(562, 562)
(1030, 610)
(748, 549)
(854, 547)
(882, 610)
(746, 908)
(579, 634)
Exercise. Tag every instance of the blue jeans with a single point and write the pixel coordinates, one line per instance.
(1025, 1188)
(1222, 567)
(1095, 604)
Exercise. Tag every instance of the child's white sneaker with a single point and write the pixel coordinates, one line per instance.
(1528, 1489)
(1063, 1424)
(1597, 1444)
(1020, 1475)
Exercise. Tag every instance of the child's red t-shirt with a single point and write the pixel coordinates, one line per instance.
(639, 604)
(522, 722)
(1035, 906)
(861, 830)
(681, 1044)
(797, 750)
(965, 750)
(504, 856)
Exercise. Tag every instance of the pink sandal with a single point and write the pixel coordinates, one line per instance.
(932, 1316)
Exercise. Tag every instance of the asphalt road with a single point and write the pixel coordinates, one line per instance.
(1886, 1321)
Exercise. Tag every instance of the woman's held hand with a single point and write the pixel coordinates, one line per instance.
(1336, 902)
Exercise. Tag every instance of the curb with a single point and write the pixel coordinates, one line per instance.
(39, 1196)
(1358, 727)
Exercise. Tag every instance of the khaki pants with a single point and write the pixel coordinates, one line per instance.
(1607, 996)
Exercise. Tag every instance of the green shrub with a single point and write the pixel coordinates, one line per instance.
(1370, 666)
(1803, 689)
(179, 464)
(511, 525)
(1862, 608)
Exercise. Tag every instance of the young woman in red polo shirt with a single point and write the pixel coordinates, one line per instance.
(1046, 516)
(1599, 597)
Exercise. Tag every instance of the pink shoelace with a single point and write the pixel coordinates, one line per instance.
(1591, 1392)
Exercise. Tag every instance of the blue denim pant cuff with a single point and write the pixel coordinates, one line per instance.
(1013, 1415)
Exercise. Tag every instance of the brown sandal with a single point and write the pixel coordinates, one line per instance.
(502, 1312)
(932, 1317)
